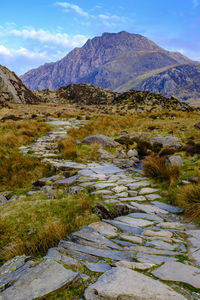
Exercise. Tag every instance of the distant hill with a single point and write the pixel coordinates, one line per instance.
(131, 101)
(13, 90)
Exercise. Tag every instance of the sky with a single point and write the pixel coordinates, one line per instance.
(35, 32)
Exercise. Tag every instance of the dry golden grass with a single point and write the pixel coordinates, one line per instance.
(35, 224)
(189, 198)
(156, 167)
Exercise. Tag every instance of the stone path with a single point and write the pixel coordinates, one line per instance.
(149, 253)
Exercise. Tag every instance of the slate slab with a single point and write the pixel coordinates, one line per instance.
(168, 207)
(124, 227)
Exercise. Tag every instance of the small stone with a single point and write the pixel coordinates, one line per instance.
(119, 189)
(172, 225)
(55, 254)
(134, 265)
(105, 229)
(132, 153)
(161, 233)
(134, 222)
(152, 197)
(175, 160)
(131, 238)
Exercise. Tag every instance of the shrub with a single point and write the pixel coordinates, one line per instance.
(157, 167)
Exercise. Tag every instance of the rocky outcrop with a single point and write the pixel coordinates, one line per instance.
(13, 90)
(108, 61)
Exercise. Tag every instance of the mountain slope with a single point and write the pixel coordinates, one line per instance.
(13, 90)
(108, 61)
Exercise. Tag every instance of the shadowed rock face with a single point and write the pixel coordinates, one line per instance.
(13, 90)
(107, 61)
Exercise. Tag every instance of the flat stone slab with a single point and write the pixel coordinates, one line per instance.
(131, 238)
(98, 267)
(105, 229)
(153, 197)
(53, 253)
(103, 192)
(150, 250)
(172, 225)
(134, 265)
(119, 189)
(149, 209)
(100, 185)
(107, 169)
(161, 245)
(134, 222)
(40, 280)
(161, 233)
(123, 283)
(88, 234)
(124, 227)
(155, 259)
(112, 254)
(176, 271)
(145, 216)
(147, 191)
(168, 207)
(78, 255)
(137, 198)
(137, 185)
(194, 245)
(65, 182)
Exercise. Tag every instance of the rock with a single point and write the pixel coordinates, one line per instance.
(132, 153)
(197, 125)
(132, 193)
(134, 222)
(55, 254)
(134, 265)
(105, 229)
(175, 160)
(3, 199)
(161, 245)
(137, 185)
(147, 191)
(123, 163)
(161, 233)
(168, 207)
(168, 141)
(65, 182)
(43, 181)
(120, 209)
(103, 185)
(153, 197)
(48, 191)
(119, 189)
(107, 169)
(74, 190)
(146, 216)
(125, 227)
(154, 259)
(102, 211)
(104, 155)
(150, 250)
(123, 283)
(149, 209)
(34, 284)
(102, 140)
(121, 154)
(98, 267)
(176, 271)
(112, 254)
(194, 245)
(137, 198)
(131, 238)
(172, 225)
(103, 192)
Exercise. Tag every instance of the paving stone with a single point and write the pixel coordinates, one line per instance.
(123, 283)
(153, 197)
(121, 195)
(161, 245)
(78, 255)
(123, 243)
(55, 254)
(88, 234)
(137, 185)
(105, 229)
(149, 209)
(176, 271)
(150, 250)
(124, 227)
(134, 222)
(156, 259)
(145, 216)
(172, 225)
(147, 191)
(103, 192)
(34, 284)
(131, 238)
(162, 233)
(134, 265)
(194, 245)
(137, 198)
(112, 254)
(100, 185)
(168, 207)
(98, 267)
(119, 189)
(65, 182)
(107, 169)
(132, 193)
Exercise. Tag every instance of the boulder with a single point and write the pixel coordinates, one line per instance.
(167, 141)
(104, 155)
(3, 199)
(102, 140)
(132, 153)
(123, 283)
(175, 160)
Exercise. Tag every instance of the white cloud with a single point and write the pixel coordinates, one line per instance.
(20, 52)
(73, 7)
(61, 39)
(4, 51)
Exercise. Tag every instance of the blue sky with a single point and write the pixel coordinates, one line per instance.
(34, 32)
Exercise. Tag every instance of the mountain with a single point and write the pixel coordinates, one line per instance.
(13, 90)
(108, 61)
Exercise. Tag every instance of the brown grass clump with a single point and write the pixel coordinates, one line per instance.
(156, 167)
(68, 148)
(188, 197)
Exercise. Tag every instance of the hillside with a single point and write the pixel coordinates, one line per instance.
(13, 90)
(108, 61)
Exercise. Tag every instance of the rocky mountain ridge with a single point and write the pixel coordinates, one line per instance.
(108, 61)
(13, 90)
